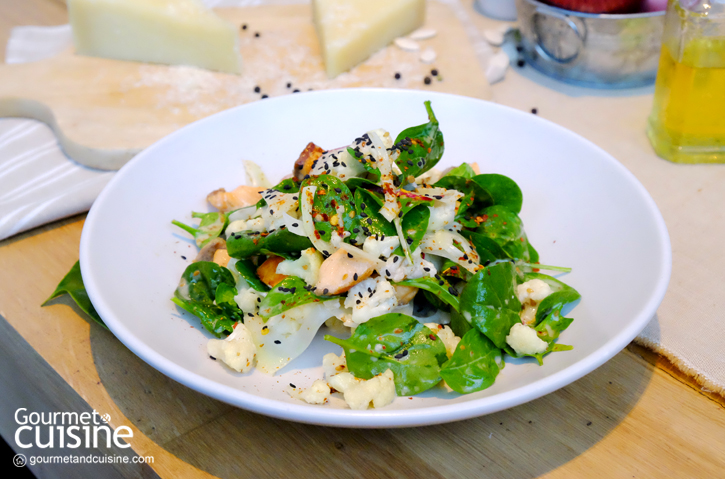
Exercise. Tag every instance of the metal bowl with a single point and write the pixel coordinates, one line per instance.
(593, 50)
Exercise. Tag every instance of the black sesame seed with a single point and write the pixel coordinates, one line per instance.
(427, 80)
(325, 291)
(453, 291)
(370, 221)
(292, 386)
(277, 341)
(519, 48)
(183, 257)
(397, 76)
(256, 34)
(244, 26)
(409, 240)
(213, 358)
(265, 96)
(289, 85)
(338, 190)
(401, 355)
(520, 63)
(434, 72)
(355, 276)
(357, 301)
(349, 255)
(535, 111)
(295, 90)
(395, 259)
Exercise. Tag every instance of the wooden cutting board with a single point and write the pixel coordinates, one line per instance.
(115, 108)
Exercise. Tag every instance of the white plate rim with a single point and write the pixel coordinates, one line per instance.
(380, 418)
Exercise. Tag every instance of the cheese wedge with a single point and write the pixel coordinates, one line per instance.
(352, 30)
(174, 32)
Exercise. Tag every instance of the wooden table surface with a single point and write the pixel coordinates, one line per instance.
(636, 416)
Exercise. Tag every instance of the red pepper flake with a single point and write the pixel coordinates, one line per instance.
(398, 331)
(432, 337)
(495, 216)
(317, 234)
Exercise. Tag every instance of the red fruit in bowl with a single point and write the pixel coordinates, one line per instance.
(597, 6)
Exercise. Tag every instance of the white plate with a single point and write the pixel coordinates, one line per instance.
(581, 209)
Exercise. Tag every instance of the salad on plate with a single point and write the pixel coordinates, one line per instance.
(424, 277)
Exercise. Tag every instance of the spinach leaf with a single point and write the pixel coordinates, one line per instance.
(289, 293)
(474, 200)
(367, 161)
(370, 221)
(248, 271)
(474, 365)
(459, 325)
(507, 230)
(490, 304)
(464, 170)
(197, 292)
(561, 296)
(414, 226)
(397, 342)
(488, 250)
(288, 185)
(409, 200)
(364, 183)
(438, 286)
(331, 193)
(224, 298)
(454, 270)
(210, 227)
(502, 189)
(420, 147)
(244, 244)
(72, 285)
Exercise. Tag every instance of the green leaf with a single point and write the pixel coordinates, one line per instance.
(330, 194)
(357, 182)
(490, 304)
(488, 250)
(366, 161)
(414, 226)
(370, 221)
(397, 342)
(224, 298)
(438, 286)
(210, 227)
(288, 185)
(244, 244)
(474, 200)
(409, 200)
(420, 147)
(72, 285)
(248, 271)
(505, 228)
(464, 170)
(561, 296)
(502, 189)
(197, 293)
(289, 293)
(452, 269)
(474, 365)
(459, 325)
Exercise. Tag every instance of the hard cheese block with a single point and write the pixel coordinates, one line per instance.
(352, 30)
(176, 32)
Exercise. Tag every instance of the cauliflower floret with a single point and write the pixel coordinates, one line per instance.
(368, 299)
(236, 351)
(334, 364)
(252, 224)
(398, 268)
(337, 162)
(359, 393)
(524, 340)
(248, 299)
(534, 290)
(443, 211)
(318, 393)
(307, 267)
(381, 246)
(531, 293)
(279, 205)
(445, 334)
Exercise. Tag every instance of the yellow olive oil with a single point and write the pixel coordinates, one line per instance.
(687, 124)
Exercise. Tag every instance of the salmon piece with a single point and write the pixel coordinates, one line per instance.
(221, 257)
(208, 252)
(405, 294)
(340, 272)
(303, 165)
(267, 271)
(240, 197)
